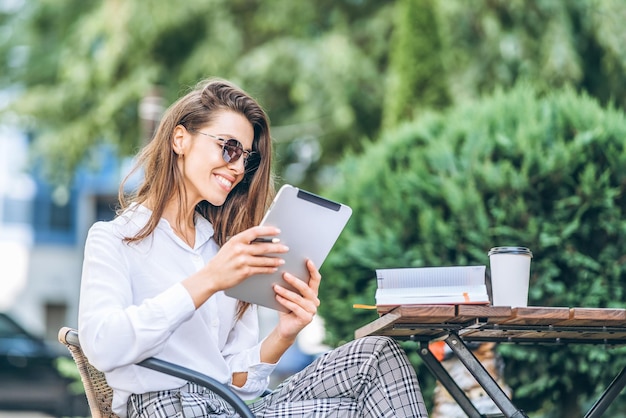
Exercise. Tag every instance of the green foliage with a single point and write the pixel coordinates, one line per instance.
(67, 368)
(551, 43)
(79, 70)
(519, 168)
(415, 80)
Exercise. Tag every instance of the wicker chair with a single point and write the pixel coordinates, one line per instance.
(100, 395)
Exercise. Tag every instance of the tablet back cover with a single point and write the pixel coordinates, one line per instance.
(310, 226)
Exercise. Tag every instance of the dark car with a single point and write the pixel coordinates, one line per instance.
(29, 377)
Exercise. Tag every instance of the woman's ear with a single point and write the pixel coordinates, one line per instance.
(178, 139)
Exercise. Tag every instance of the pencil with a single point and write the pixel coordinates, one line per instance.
(271, 240)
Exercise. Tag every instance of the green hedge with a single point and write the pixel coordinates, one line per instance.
(545, 171)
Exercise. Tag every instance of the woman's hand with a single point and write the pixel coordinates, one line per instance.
(239, 258)
(302, 305)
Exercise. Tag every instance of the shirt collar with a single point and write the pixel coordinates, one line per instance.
(204, 230)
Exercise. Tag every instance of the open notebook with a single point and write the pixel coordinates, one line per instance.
(432, 285)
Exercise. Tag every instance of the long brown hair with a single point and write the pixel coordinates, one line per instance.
(246, 203)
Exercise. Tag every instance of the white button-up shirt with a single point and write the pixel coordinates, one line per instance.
(132, 306)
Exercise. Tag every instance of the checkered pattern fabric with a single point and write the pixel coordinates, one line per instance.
(190, 401)
(370, 377)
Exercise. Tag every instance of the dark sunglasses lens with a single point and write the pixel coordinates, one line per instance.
(232, 150)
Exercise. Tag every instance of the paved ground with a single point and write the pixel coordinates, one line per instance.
(15, 414)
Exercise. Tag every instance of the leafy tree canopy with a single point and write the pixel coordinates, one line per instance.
(549, 43)
(81, 70)
(78, 71)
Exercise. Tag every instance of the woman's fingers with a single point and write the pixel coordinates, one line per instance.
(259, 233)
(298, 306)
(308, 290)
(303, 296)
(315, 276)
(254, 248)
(261, 249)
(305, 315)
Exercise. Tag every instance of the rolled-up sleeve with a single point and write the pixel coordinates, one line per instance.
(245, 334)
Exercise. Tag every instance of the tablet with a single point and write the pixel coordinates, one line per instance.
(309, 226)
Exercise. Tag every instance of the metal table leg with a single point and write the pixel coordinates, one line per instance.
(483, 377)
(608, 395)
(444, 377)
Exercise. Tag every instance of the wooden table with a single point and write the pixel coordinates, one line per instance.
(460, 324)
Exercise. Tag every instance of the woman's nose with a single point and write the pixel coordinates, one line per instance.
(238, 165)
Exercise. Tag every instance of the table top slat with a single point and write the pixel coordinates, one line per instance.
(384, 309)
(379, 325)
(426, 314)
(595, 316)
(408, 314)
(537, 315)
(488, 314)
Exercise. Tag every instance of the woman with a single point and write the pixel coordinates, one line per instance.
(153, 281)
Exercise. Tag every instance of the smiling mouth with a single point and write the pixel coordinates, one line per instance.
(223, 181)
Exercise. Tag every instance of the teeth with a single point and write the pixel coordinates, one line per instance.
(224, 181)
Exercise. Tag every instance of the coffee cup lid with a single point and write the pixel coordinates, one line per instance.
(510, 250)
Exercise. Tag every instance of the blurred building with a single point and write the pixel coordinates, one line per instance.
(42, 233)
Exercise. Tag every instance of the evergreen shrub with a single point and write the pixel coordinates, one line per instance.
(520, 168)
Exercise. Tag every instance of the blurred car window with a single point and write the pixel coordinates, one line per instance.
(29, 377)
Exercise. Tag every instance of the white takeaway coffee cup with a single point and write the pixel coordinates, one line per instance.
(510, 275)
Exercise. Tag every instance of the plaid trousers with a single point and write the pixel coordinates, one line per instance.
(370, 377)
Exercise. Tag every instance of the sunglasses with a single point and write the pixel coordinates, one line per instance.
(232, 150)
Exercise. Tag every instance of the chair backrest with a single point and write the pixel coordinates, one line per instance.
(99, 393)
